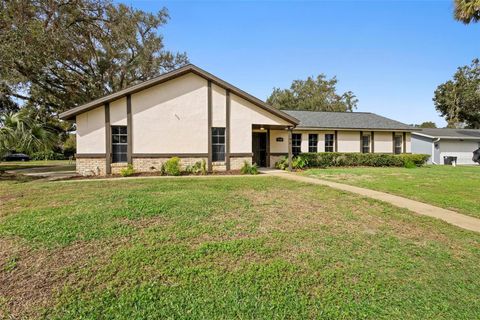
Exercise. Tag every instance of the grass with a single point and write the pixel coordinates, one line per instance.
(220, 248)
(454, 188)
(52, 165)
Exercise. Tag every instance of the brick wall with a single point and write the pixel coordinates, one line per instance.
(274, 159)
(117, 167)
(97, 166)
(155, 164)
(91, 166)
(236, 163)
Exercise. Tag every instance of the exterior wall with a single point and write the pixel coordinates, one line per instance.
(91, 166)
(463, 150)
(278, 146)
(409, 143)
(91, 131)
(304, 146)
(171, 117)
(422, 145)
(436, 152)
(243, 115)
(383, 142)
(118, 112)
(348, 141)
(219, 107)
(321, 139)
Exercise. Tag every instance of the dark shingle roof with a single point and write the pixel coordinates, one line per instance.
(451, 133)
(345, 120)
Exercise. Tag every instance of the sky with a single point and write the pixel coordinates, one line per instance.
(391, 54)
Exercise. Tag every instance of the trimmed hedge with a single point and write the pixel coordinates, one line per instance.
(337, 159)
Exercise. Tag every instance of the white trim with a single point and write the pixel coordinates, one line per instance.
(423, 135)
(446, 137)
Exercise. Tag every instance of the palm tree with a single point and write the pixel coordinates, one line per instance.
(24, 132)
(467, 11)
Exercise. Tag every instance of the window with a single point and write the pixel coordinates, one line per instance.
(329, 142)
(296, 143)
(119, 144)
(398, 144)
(218, 144)
(312, 142)
(365, 144)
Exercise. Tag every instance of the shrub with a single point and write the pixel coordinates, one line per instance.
(249, 168)
(299, 163)
(204, 170)
(409, 164)
(47, 155)
(282, 163)
(196, 168)
(172, 166)
(128, 171)
(336, 159)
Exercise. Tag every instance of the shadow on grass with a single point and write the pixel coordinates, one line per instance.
(13, 177)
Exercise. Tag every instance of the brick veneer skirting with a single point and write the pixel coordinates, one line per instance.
(91, 166)
(274, 159)
(155, 164)
(236, 163)
(97, 166)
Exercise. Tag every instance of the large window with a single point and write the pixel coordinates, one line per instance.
(329, 142)
(398, 144)
(296, 143)
(365, 144)
(313, 142)
(119, 144)
(218, 144)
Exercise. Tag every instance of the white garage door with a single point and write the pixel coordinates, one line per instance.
(463, 150)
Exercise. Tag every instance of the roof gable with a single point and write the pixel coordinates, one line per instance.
(190, 68)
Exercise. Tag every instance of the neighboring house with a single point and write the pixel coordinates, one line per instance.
(440, 143)
(191, 114)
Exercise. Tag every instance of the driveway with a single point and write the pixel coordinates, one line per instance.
(47, 173)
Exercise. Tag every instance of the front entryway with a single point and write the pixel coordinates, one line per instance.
(259, 148)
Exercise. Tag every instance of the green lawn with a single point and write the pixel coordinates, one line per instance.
(455, 188)
(47, 164)
(221, 248)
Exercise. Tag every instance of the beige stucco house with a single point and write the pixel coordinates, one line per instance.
(194, 115)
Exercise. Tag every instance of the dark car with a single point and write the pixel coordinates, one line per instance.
(17, 157)
(476, 156)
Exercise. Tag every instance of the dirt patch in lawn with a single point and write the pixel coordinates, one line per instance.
(4, 176)
(30, 278)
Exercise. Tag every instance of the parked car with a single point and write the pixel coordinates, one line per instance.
(476, 156)
(17, 157)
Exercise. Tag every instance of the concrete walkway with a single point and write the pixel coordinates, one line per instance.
(452, 217)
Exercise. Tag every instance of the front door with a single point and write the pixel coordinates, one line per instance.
(259, 148)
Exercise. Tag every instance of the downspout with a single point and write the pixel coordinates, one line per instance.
(433, 150)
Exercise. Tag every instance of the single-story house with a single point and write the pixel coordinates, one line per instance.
(194, 115)
(440, 143)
